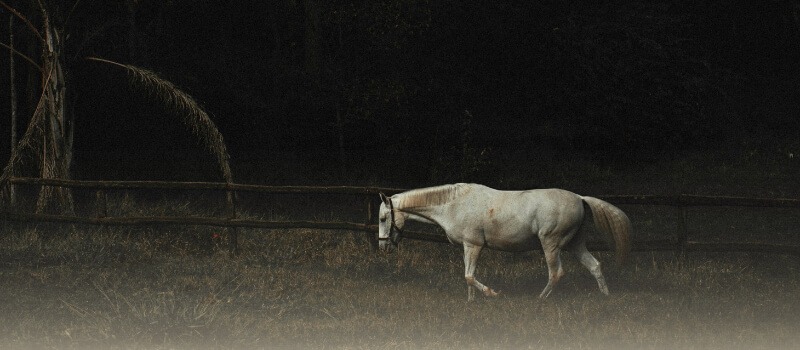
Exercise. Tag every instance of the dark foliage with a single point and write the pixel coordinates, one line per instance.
(439, 84)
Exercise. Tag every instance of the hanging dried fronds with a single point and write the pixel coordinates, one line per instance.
(184, 105)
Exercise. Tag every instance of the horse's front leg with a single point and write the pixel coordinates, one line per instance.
(471, 254)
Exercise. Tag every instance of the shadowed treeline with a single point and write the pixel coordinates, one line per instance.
(439, 87)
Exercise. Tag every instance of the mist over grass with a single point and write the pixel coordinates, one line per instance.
(84, 287)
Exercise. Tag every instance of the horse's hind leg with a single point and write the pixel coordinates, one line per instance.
(471, 254)
(593, 265)
(552, 256)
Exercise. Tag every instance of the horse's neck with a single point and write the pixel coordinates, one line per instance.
(426, 219)
(424, 214)
(429, 205)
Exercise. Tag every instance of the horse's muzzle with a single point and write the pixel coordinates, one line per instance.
(387, 244)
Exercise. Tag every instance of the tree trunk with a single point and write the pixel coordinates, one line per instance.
(340, 139)
(57, 138)
(312, 41)
(13, 92)
(133, 33)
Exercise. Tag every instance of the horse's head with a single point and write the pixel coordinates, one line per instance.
(390, 224)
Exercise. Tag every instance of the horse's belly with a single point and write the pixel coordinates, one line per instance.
(520, 239)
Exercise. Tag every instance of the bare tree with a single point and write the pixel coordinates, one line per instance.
(49, 134)
(50, 130)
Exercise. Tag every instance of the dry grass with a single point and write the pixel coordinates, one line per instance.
(99, 288)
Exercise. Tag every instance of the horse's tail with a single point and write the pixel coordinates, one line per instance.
(612, 222)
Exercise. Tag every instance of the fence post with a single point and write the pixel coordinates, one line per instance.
(371, 237)
(101, 206)
(12, 194)
(233, 231)
(369, 210)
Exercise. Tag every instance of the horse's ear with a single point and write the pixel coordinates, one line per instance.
(384, 199)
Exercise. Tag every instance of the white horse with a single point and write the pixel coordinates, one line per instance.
(478, 216)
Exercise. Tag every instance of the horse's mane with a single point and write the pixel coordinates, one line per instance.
(430, 196)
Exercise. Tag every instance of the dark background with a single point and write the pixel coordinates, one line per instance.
(416, 92)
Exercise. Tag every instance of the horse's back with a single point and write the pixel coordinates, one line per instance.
(548, 201)
(555, 209)
(554, 195)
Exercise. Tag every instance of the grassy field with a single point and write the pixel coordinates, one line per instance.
(87, 288)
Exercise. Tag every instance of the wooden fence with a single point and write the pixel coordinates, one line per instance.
(681, 242)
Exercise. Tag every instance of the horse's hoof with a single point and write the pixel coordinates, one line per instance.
(604, 290)
(491, 293)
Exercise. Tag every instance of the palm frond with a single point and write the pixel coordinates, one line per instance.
(184, 105)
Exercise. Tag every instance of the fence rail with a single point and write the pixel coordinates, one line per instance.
(680, 200)
(220, 186)
(681, 242)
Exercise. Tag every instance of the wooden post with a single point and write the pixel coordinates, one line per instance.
(101, 206)
(233, 231)
(371, 236)
(369, 210)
